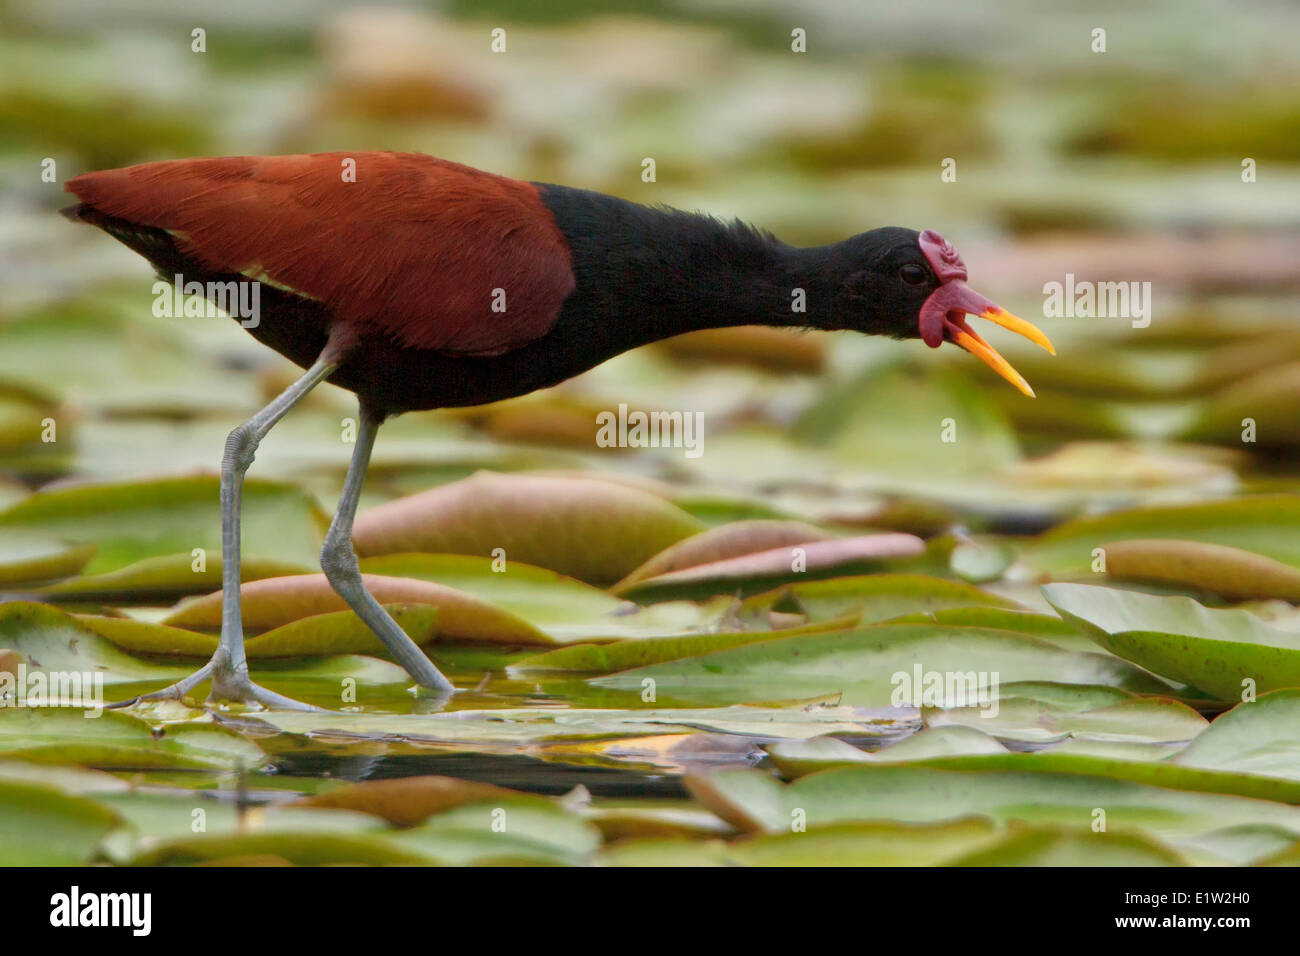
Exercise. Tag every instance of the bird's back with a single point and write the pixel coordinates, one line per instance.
(428, 253)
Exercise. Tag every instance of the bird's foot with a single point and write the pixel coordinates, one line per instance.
(228, 684)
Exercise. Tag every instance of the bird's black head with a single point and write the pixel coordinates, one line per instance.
(905, 284)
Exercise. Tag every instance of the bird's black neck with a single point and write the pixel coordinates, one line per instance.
(645, 273)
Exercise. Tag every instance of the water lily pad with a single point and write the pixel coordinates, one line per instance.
(407, 801)
(1229, 572)
(1258, 737)
(541, 725)
(115, 740)
(755, 802)
(762, 570)
(872, 666)
(622, 655)
(28, 556)
(564, 608)
(52, 641)
(723, 542)
(1148, 720)
(1223, 652)
(131, 521)
(1079, 846)
(297, 846)
(876, 597)
(277, 602)
(877, 843)
(520, 829)
(161, 580)
(593, 530)
(1268, 525)
(42, 825)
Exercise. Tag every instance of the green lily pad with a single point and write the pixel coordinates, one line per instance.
(42, 825)
(1268, 525)
(731, 540)
(981, 559)
(517, 830)
(1079, 846)
(1146, 720)
(296, 846)
(407, 801)
(541, 725)
(877, 843)
(1222, 652)
(277, 602)
(622, 655)
(755, 802)
(876, 597)
(912, 438)
(1215, 568)
(762, 570)
(593, 530)
(563, 608)
(28, 556)
(131, 521)
(873, 666)
(115, 740)
(161, 580)
(1258, 737)
(52, 641)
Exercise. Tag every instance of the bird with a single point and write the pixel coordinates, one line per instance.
(420, 283)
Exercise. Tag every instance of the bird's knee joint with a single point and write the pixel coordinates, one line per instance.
(338, 560)
(241, 447)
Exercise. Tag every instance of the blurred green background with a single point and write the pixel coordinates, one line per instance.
(1122, 165)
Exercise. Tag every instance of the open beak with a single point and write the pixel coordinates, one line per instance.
(943, 318)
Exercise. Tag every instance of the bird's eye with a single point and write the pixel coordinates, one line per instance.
(912, 274)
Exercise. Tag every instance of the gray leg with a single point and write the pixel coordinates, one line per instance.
(339, 562)
(228, 668)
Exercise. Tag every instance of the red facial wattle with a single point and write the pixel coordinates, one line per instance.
(943, 316)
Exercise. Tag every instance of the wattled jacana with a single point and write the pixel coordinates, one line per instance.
(420, 283)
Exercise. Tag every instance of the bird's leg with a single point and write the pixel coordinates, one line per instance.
(339, 562)
(228, 668)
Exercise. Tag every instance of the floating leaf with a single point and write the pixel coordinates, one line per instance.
(1267, 525)
(1215, 650)
(562, 607)
(54, 642)
(1078, 846)
(592, 530)
(876, 597)
(28, 556)
(762, 570)
(41, 825)
(1257, 737)
(407, 801)
(754, 802)
(1229, 572)
(520, 829)
(115, 740)
(1149, 720)
(873, 666)
(622, 655)
(723, 542)
(162, 579)
(131, 521)
(276, 602)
